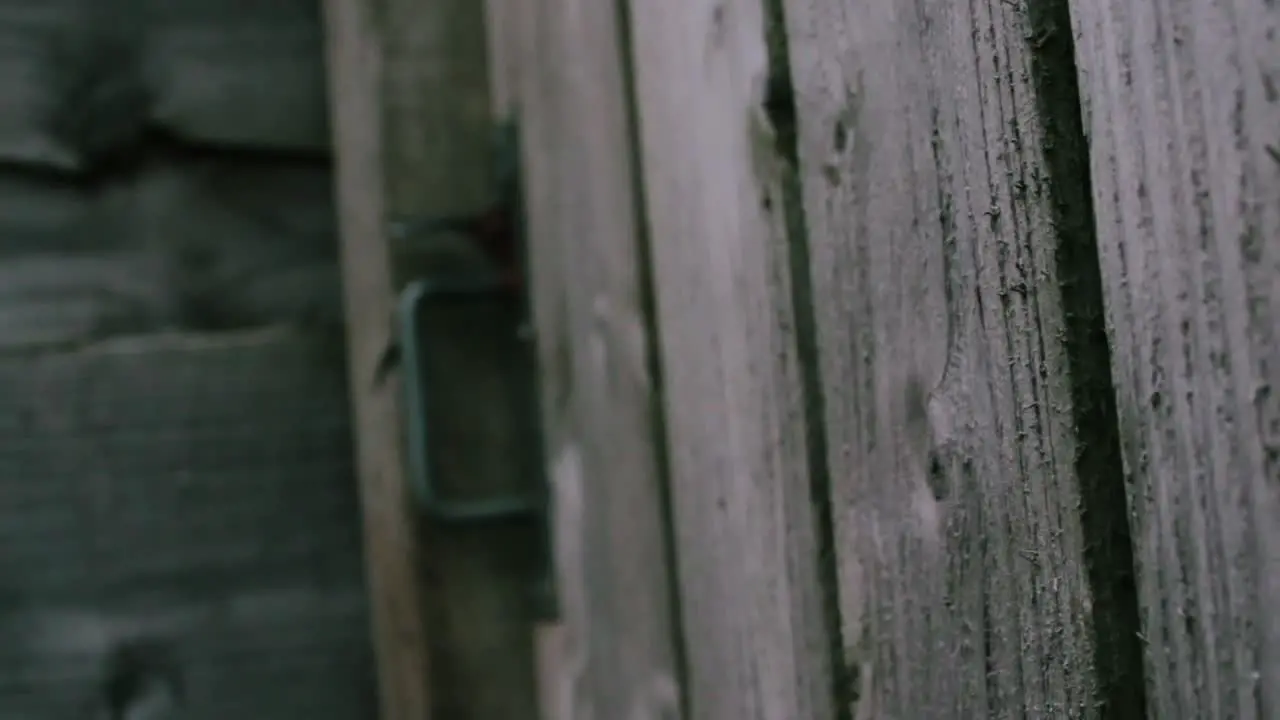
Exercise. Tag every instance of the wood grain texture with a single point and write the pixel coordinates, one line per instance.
(745, 519)
(1184, 126)
(33, 212)
(192, 490)
(438, 124)
(413, 120)
(278, 201)
(981, 538)
(81, 75)
(618, 653)
(192, 245)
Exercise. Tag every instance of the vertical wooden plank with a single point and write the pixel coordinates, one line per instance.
(413, 119)
(354, 54)
(551, 284)
(746, 527)
(1184, 116)
(981, 536)
(615, 651)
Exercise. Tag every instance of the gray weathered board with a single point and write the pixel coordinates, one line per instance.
(747, 515)
(976, 481)
(618, 639)
(194, 489)
(1183, 114)
(230, 72)
(78, 265)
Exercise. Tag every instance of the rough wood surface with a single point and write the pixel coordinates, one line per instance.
(518, 90)
(192, 245)
(193, 491)
(978, 493)
(413, 128)
(25, 29)
(618, 652)
(720, 213)
(1183, 119)
(81, 74)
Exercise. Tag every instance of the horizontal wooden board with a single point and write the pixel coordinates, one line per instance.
(239, 73)
(975, 469)
(214, 71)
(195, 490)
(1183, 114)
(61, 300)
(252, 243)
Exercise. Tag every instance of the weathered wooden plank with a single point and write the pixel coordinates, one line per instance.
(1182, 117)
(618, 655)
(34, 213)
(412, 107)
(82, 76)
(239, 73)
(227, 262)
(982, 543)
(194, 245)
(516, 82)
(191, 491)
(719, 211)
(437, 114)
(70, 300)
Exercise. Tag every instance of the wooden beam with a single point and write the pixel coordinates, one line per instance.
(412, 113)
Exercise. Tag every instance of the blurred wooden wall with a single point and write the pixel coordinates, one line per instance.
(175, 457)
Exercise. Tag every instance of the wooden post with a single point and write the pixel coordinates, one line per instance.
(413, 128)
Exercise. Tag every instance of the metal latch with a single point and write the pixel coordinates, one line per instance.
(493, 310)
(493, 302)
